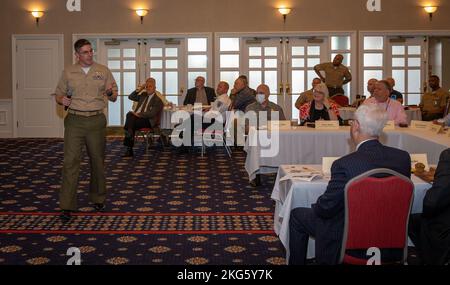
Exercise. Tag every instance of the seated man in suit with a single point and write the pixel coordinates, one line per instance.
(325, 219)
(200, 93)
(146, 115)
(430, 231)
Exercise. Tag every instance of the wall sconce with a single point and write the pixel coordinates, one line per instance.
(284, 12)
(141, 13)
(430, 10)
(37, 15)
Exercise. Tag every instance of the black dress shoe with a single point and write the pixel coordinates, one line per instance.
(128, 153)
(65, 215)
(99, 207)
(256, 182)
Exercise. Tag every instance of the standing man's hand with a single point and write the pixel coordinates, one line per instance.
(66, 101)
(110, 92)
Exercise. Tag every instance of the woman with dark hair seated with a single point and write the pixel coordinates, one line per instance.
(320, 108)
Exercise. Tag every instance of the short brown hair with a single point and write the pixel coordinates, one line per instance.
(81, 43)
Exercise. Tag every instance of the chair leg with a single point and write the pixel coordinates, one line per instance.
(227, 147)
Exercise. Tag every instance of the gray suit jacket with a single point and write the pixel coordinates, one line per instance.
(154, 108)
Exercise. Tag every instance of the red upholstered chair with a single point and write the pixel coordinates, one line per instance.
(376, 214)
(150, 134)
(340, 99)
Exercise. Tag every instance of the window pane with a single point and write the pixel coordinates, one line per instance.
(129, 82)
(229, 61)
(117, 78)
(270, 63)
(311, 75)
(399, 76)
(398, 62)
(229, 44)
(156, 52)
(369, 74)
(373, 43)
(229, 77)
(270, 51)
(114, 112)
(414, 50)
(298, 86)
(255, 79)
(313, 62)
(414, 62)
(129, 64)
(314, 50)
(113, 52)
(197, 44)
(114, 64)
(373, 59)
(413, 99)
(171, 52)
(254, 51)
(271, 79)
(127, 105)
(398, 50)
(172, 83)
(340, 43)
(414, 81)
(193, 75)
(298, 81)
(129, 52)
(197, 61)
(296, 51)
(156, 64)
(158, 76)
(255, 63)
(346, 60)
(172, 63)
(298, 62)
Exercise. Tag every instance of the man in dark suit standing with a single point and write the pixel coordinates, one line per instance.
(147, 113)
(325, 219)
(200, 93)
(430, 231)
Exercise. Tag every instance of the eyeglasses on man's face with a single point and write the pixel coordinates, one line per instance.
(86, 52)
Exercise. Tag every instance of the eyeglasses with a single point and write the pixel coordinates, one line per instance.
(86, 52)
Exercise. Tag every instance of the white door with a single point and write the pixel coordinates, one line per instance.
(406, 65)
(263, 65)
(38, 67)
(132, 61)
(165, 61)
(122, 58)
(303, 55)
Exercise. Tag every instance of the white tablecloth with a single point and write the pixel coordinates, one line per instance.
(304, 145)
(289, 195)
(347, 113)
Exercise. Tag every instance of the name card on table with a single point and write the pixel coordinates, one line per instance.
(419, 158)
(279, 125)
(327, 125)
(327, 162)
(390, 126)
(436, 129)
(420, 125)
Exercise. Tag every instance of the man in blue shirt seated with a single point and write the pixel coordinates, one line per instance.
(325, 220)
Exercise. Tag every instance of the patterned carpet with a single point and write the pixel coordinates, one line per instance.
(163, 208)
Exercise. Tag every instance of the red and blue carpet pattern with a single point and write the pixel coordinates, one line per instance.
(162, 208)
